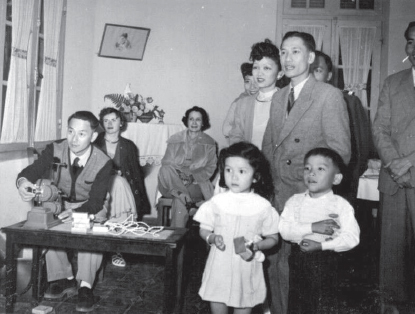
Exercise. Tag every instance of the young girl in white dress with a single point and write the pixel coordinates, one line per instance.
(235, 278)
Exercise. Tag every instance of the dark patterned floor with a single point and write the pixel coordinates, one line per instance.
(137, 288)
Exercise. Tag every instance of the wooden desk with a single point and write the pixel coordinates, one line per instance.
(171, 248)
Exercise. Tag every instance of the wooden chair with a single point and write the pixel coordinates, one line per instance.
(163, 211)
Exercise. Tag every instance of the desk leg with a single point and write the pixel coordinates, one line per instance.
(169, 282)
(35, 273)
(179, 275)
(11, 273)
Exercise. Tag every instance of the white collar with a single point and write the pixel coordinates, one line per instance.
(82, 159)
(328, 194)
(261, 97)
(299, 87)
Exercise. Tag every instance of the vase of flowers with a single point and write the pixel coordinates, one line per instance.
(135, 106)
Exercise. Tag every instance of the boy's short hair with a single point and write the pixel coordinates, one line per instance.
(246, 69)
(326, 58)
(86, 116)
(410, 25)
(307, 38)
(327, 153)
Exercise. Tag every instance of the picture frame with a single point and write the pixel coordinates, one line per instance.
(123, 42)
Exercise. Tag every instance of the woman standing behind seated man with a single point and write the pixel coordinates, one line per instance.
(188, 165)
(252, 112)
(128, 176)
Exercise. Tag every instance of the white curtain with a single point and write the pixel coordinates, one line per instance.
(46, 115)
(356, 45)
(15, 121)
(316, 30)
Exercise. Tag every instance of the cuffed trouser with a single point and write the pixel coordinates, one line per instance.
(396, 262)
(168, 180)
(59, 267)
(278, 278)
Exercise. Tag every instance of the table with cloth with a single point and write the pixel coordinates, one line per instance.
(151, 140)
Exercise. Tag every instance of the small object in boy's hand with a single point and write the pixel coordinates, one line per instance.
(242, 249)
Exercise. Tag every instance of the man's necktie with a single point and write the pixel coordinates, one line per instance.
(290, 100)
(76, 167)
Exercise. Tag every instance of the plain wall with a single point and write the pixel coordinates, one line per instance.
(192, 56)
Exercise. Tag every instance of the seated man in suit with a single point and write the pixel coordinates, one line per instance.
(360, 133)
(85, 183)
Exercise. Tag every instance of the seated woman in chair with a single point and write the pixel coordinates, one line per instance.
(188, 165)
(128, 194)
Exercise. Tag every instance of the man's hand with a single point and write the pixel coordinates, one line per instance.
(25, 190)
(398, 167)
(325, 226)
(185, 198)
(404, 181)
(309, 246)
(66, 216)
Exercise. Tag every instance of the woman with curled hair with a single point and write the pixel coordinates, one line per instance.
(252, 112)
(125, 156)
(188, 165)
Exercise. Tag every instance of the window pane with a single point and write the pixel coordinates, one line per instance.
(7, 52)
(316, 4)
(299, 3)
(3, 101)
(367, 4)
(40, 62)
(41, 18)
(347, 4)
(9, 10)
(340, 80)
(37, 103)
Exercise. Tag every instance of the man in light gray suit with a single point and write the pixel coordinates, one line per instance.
(304, 115)
(394, 138)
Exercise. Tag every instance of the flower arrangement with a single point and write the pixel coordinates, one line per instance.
(136, 105)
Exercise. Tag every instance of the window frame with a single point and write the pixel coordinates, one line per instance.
(332, 7)
(33, 88)
(342, 16)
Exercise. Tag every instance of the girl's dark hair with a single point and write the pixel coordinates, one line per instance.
(262, 172)
(205, 117)
(265, 49)
(108, 110)
(330, 154)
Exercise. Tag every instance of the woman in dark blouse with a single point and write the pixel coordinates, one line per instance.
(124, 154)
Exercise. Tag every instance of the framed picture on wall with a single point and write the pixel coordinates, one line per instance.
(123, 42)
